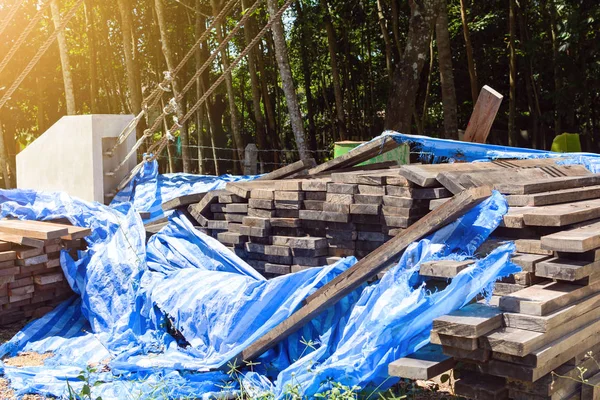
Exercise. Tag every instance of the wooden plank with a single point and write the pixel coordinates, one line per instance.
(484, 114)
(528, 262)
(288, 170)
(21, 240)
(473, 320)
(365, 269)
(426, 363)
(32, 229)
(197, 211)
(443, 268)
(555, 197)
(549, 185)
(542, 299)
(577, 240)
(590, 390)
(357, 155)
(566, 269)
(182, 201)
(553, 320)
(562, 214)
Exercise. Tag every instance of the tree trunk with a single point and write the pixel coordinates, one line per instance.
(64, 60)
(469, 49)
(134, 90)
(268, 104)
(335, 73)
(91, 35)
(305, 41)
(4, 159)
(551, 12)
(446, 73)
(261, 134)
(386, 39)
(234, 113)
(168, 54)
(403, 91)
(287, 81)
(512, 109)
(200, 27)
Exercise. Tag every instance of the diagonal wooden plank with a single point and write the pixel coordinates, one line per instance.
(289, 170)
(366, 268)
(484, 114)
(357, 155)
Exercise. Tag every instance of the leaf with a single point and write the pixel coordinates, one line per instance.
(445, 378)
(566, 143)
(85, 390)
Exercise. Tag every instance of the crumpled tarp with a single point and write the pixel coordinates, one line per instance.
(148, 189)
(160, 315)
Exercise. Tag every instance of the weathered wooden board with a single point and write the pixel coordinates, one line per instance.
(562, 214)
(289, 170)
(473, 320)
(576, 240)
(483, 116)
(555, 197)
(22, 240)
(443, 268)
(542, 299)
(357, 155)
(365, 269)
(528, 262)
(32, 229)
(182, 201)
(549, 185)
(426, 363)
(566, 269)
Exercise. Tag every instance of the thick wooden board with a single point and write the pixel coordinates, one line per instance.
(32, 229)
(197, 211)
(426, 363)
(576, 240)
(443, 268)
(484, 114)
(562, 214)
(555, 197)
(542, 299)
(528, 262)
(357, 155)
(365, 269)
(553, 320)
(549, 185)
(473, 320)
(289, 170)
(565, 269)
(22, 240)
(182, 201)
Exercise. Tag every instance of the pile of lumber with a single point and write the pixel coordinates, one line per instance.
(31, 278)
(539, 337)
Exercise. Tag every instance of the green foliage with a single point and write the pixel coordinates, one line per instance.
(566, 143)
(85, 393)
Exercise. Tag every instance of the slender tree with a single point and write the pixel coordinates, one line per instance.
(469, 48)
(64, 60)
(446, 73)
(512, 108)
(287, 81)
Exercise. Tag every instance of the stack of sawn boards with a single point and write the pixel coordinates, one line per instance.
(31, 278)
(283, 226)
(540, 335)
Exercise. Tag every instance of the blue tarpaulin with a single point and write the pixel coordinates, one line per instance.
(157, 317)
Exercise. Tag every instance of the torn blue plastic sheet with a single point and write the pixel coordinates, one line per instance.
(148, 189)
(133, 297)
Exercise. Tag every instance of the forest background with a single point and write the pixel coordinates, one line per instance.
(326, 71)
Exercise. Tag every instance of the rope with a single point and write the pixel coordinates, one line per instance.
(38, 16)
(161, 87)
(39, 54)
(10, 15)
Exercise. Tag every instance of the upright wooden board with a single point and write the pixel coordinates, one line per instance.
(365, 269)
(32, 229)
(483, 116)
(357, 155)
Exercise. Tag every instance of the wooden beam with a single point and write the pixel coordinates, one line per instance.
(289, 170)
(33, 229)
(484, 114)
(426, 363)
(357, 155)
(366, 268)
(182, 201)
(577, 240)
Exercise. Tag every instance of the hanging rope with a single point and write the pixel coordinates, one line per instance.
(10, 15)
(38, 16)
(187, 87)
(39, 54)
(154, 97)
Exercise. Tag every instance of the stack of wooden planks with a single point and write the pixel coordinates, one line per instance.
(31, 279)
(540, 335)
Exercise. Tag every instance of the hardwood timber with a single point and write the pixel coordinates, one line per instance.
(32, 229)
(426, 363)
(357, 155)
(483, 116)
(566, 269)
(365, 269)
(577, 240)
(562, 214)
(288, 170)
(549, 185)
(473, 320)
(555, 197)
(182, 201)
(21, 240)
(443, 268)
